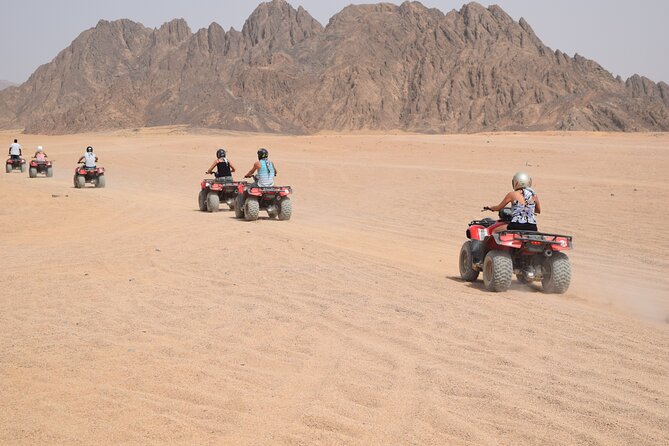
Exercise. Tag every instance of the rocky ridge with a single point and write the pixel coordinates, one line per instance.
(374, 67)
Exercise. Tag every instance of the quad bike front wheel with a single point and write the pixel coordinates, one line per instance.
(497, 271)
(285, 209)
(32, 172)
(251, 209)
(467, 271)
(213, 202)
(202, 200)
(239, 206)
(557, 274)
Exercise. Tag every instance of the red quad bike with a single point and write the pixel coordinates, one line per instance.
(40, 167)
(13, 164)
(95, 176)
(252, 199)
(531, 256)
(214, 192)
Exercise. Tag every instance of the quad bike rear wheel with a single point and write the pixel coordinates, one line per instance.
(251, 209)
(100, 181)
(23, 168)
(497, 271)
(213, 202)
(557, 274)
(239, 206)
(79, 181)
(49, 172)
(32, 172)
(285, 209)
(467, 271)
(202, 200)
(9, 168)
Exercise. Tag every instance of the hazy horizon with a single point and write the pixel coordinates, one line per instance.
(622, 36)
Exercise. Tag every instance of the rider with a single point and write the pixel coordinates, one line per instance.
(89, 158)
(265, 168)
(15, 150)
(223, 166)
(524, 204)
(40, 154)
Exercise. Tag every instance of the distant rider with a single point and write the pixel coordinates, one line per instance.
(223, 166)
(524, 205)
(15, 150)
(265, 168)
(89, 158)
(40, 154)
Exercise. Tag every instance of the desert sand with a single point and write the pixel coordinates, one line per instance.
(129, 317)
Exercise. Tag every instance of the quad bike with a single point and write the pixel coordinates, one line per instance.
(40, 167)
(531, 256)
(94, 175)
(252, 199)
(13, 164)
(214, 192)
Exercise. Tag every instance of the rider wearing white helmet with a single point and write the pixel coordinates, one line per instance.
(40, 154)
(524, 204)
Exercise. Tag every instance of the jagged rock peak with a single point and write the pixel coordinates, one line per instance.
(278, 20)
(174, 32)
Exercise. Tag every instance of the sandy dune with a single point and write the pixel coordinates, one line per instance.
(128, 317)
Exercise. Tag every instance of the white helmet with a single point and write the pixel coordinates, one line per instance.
(40, 148)
(521, 180)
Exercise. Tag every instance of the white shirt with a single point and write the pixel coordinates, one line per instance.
(15, 149)
(89, 159)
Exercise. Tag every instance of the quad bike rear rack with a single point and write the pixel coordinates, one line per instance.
(536, 237)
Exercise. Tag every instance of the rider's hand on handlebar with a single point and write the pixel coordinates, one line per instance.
(486, 208)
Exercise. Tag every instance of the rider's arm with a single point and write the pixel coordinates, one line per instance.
(211, 169)
(537, 208)
(232, 168)
(276, 172)
(96, 158)
(80, 160)
(256, 166)
(508, 199)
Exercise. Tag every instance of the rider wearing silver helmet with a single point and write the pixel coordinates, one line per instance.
(40, 154)
(524, 204)
(223, 166)
(89, 158)
(265, 168)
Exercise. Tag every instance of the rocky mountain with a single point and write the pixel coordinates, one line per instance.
(377, 67)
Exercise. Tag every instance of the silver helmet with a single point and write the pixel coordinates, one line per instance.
(521, 180)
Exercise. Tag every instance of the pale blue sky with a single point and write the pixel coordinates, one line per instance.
(625, 36)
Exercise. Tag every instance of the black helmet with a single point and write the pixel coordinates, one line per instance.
(220, 153)
(263, 154)
(89, 149)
